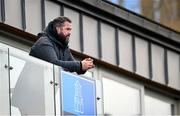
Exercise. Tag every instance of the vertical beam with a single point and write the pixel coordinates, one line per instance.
(166, 67)
(134, 53)
(54, 89)
(9, 77)
(2, 11)
(81, 32)
(43, 14)
(62, 10)
(99, 39)
(23, 14)
(117, 46)
(150, 61)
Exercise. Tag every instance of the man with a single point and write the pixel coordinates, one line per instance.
(52, 46)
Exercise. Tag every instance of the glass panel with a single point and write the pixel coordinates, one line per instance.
(58, 105)
(120, 99)
(154, 106)
(33, 16)
(90, 36)
(4, 82)
(125, 50)
(142, 59)
(31, 91)
(108, 43)
(158, 63)
(174, 69)
(52, 10)
(89, 74)
(75, 36)
(13, 13)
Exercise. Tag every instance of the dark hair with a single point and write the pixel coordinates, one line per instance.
(59, 21)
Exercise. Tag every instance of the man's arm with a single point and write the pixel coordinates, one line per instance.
(46, 52)
(86, 64)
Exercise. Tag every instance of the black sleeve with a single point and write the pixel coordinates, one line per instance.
(46, 52)
(71, 58)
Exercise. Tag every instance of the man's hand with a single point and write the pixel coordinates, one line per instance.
(87, 63)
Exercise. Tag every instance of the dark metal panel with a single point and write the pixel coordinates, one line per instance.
(62, 10)
(43, 14)
(81, 32)
(150, 60)
(166, 67)
(23, 14)
(2, 11)
(134, 53)
(117, 46)
(99, 40)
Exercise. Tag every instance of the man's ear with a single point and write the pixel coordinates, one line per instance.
(58, 29)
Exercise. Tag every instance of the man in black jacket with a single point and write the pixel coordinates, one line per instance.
(52, 46)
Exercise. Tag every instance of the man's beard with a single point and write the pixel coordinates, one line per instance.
(64, 39)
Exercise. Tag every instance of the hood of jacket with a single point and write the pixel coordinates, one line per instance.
(53, 35)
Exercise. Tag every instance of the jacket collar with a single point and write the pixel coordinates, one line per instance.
(52, 34)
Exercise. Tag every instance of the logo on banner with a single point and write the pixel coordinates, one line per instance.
(78, 99)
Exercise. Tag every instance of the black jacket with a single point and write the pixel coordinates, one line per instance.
(49, 48)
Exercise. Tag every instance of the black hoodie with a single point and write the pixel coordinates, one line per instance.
(51, 48)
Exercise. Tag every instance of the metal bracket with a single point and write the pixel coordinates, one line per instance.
(9, 67)
(51, 82)
(98, 98)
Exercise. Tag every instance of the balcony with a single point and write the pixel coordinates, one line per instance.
(30, 86)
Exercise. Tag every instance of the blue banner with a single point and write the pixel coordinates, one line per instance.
(78, 95)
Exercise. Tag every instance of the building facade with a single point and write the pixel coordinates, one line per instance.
(137, 61)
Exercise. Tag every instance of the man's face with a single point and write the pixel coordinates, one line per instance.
(64, 32)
